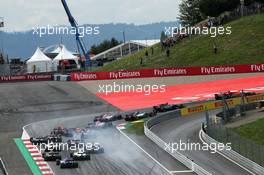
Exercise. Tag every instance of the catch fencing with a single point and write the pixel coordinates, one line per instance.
(234, 155)
(244, 151)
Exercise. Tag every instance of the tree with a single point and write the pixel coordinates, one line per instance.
(190, 13)
(105, 45)
(214, 8)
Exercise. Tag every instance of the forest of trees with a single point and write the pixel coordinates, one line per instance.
(194, 11)
(105, 45)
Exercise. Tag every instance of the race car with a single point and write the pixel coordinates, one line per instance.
(39, 140)
(54, 139)
(72, 142)
(55, 148)
(108, 117)
(95, 149)
(167, 107)
(99, 125)
(67, 163)
(138, 115)
(80, 155)
(229, 95)
(51, 156)
(61, 131)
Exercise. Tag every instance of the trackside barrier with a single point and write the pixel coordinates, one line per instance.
(177, 155)
(168, 72)
(233, 155)
(2, 167)
(218, 104)
(26, 77)
(196, 109)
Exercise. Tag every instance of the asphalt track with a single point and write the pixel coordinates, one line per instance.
(121, 157)
(27, 102)
(187, 129)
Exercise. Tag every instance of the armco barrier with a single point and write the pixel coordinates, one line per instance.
(167, 72)
(245, 162)
(177, 155)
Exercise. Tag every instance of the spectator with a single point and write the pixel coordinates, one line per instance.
(215, 49)
(168, 52)
(146, 53)
(141, 61)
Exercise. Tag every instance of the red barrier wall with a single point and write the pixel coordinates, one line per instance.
(166, 72)
(27, 77)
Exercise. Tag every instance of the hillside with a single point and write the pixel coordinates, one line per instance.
(244, 45)
(24, 44)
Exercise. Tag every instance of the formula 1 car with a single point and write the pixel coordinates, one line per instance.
(108, 117)
(67, 163)
(80, 155)
(95, 149)
(229, 95)
(167, 107)
(139, 115)
(99, 125)
(54, 139)
(61, 131)
(72, 142)
(51, 156)
(55, 148)
(39, 140)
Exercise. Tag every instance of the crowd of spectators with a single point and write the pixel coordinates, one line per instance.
(226, 17)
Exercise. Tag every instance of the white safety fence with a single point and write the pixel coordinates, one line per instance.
(248, 164)
(177, 155)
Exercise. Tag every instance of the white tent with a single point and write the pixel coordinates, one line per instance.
(64, 54)
(39, 62)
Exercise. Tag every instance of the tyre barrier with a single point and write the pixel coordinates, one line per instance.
(177, 155)
(233, 155)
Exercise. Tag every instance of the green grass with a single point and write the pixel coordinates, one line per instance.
(24, 151)
(245, 45)
(252, 131)
(135, 128)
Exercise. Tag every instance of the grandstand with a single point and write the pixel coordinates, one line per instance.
(124, 49)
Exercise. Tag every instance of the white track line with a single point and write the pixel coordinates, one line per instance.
(145, 151)
(200, 136)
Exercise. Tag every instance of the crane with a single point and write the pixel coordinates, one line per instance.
(79, 41)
